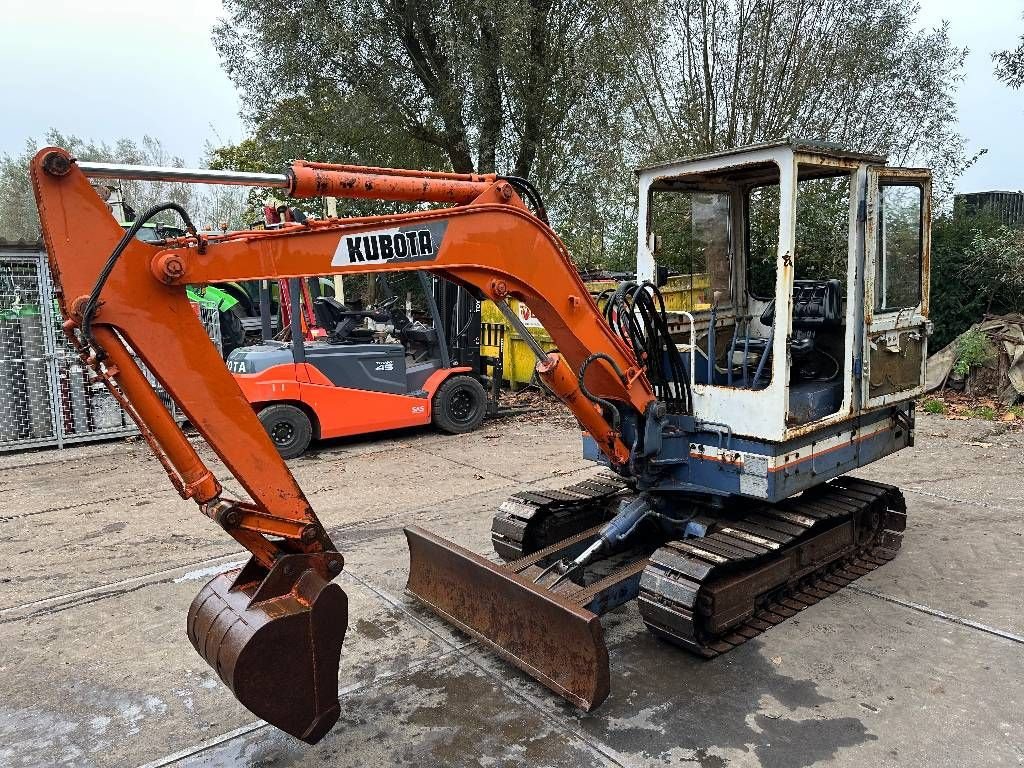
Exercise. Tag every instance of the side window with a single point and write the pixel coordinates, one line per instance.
(899, 247)
(822, 228)
(692, 231)
(762, 240)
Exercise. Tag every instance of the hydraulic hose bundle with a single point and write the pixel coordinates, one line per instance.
(636, 312)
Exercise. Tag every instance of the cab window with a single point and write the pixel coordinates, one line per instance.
(899, 246)
(692, 230)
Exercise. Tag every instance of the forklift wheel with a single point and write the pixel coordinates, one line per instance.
(288, 427)
(460, 405)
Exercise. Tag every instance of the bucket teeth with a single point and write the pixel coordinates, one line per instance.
(554, 640)
(277, 650)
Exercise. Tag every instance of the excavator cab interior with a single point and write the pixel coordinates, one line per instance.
(772, 241)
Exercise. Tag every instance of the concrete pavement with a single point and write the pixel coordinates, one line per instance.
(919, 663)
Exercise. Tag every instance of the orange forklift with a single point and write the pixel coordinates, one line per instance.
(338, 377)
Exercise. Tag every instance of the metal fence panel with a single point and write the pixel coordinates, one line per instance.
(47, 396)
(26, 407)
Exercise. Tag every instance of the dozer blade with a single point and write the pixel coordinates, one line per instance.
(555, 641)
(275, 640)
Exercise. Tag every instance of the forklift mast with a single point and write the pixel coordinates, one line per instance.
(459, 314)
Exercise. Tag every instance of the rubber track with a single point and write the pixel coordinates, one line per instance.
(530, 520)
(673, 598)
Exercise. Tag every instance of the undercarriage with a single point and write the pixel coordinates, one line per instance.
(736, 572)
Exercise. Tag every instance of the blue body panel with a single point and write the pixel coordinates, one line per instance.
(720, 464)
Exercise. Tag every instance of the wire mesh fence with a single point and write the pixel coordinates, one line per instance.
(47, 396)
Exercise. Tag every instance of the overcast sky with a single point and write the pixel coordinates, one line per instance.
(103, 70)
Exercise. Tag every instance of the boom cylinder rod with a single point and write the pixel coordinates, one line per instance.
(183, 175)
(316, 179)
(305, 180)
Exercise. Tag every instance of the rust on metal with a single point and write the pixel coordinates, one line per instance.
(892, 371)
(275, 640)
(546, 635)
(711, 601)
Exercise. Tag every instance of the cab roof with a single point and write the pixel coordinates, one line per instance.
(825, 149)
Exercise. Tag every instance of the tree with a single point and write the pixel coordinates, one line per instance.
(996, 260)
(576, 93)
(482, 85)
(525, 87)
(958, 297)
(717, 74)
(1010, 65)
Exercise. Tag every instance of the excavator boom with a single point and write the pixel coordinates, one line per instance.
(274, 630)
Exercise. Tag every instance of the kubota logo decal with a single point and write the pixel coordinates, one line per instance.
(411, 243)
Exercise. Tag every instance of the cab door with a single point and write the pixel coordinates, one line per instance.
(897, 257)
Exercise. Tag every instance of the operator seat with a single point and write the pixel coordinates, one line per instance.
(815, 387)
(412, 333)
(817, 305)
(344, 325)
(418, 333)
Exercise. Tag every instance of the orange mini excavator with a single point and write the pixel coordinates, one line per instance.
(726, 432)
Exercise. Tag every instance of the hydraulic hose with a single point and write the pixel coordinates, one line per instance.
(94, 295)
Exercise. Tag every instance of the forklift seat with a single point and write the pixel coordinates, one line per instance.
(343, 324)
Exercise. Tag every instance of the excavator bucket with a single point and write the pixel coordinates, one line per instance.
(554, 640)
(275, 640)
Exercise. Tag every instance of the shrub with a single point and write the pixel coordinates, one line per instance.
(973, 349)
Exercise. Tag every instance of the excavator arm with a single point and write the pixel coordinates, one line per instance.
(274, 630)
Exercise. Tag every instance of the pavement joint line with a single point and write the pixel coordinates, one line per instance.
(970, 502)
(34, 606)
(65, 459)
(928, 610)
(465, 464)
(496, 679)
(66, 508)
(245, 730)
(134, 581)
(154, 576)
